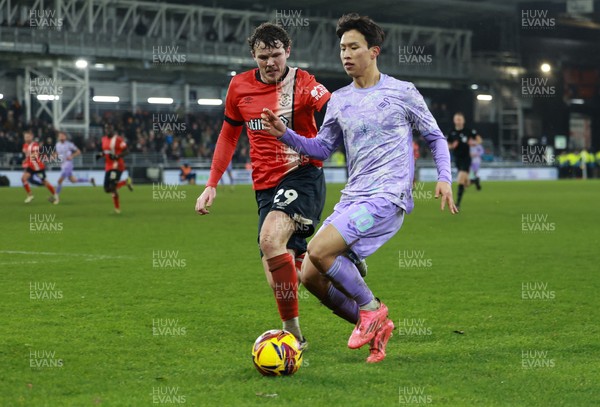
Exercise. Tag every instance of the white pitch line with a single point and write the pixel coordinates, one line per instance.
(88, 256)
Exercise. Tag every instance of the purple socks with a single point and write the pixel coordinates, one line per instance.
(346, 276)
(341, 305)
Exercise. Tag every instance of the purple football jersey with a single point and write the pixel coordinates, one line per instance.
(376, 126)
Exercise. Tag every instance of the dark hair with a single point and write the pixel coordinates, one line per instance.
(269, 34)
(459, 113)
(373, 33)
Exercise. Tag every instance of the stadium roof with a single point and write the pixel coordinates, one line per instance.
(439, 13)
(417, 12)
(496, 24)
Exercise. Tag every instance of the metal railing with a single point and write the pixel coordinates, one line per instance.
(12, 161)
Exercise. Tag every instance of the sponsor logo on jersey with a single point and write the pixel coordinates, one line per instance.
(256, 124)
(318, 91)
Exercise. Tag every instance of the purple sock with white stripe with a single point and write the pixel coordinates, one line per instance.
(346, 276)
(341, 305)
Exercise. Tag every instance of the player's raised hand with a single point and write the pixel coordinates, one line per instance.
(444, 190)
(272, 123)
(205, 200)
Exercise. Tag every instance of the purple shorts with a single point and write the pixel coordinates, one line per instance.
(366, 224)
(475, 165)
(66, 169)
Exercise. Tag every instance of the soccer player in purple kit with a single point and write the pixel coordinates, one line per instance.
(65, 150)
(373, 117)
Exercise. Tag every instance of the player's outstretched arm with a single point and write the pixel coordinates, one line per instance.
(444, 190)
(320, 147)
(205, 200)
(272, 123)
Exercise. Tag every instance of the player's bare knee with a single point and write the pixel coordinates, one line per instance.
(269, 244)
(311, 253)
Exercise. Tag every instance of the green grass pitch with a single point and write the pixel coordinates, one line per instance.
(159, 306)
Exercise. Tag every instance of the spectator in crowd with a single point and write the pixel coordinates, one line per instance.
(196, 141)
(174, 151)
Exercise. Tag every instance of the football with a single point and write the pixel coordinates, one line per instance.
(277, 353)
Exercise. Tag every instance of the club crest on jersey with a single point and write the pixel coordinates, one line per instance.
(256, 124)
(285, 99)
(385, 103)
(318, 91)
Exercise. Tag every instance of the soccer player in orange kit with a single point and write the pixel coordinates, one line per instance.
(289, 187)
(114, 148)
